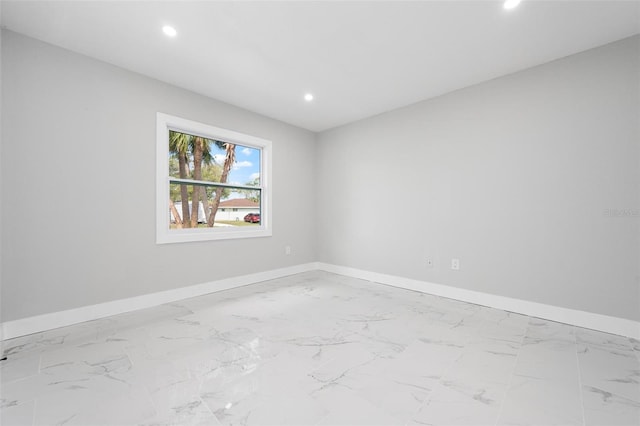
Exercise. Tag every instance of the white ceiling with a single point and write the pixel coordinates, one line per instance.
(358, 58)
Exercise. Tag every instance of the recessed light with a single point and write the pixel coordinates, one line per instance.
(510, 4)
(169, 31)
(308, 97)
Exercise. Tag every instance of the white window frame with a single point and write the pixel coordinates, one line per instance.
(164, 235)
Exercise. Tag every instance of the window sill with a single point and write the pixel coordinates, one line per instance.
(191, 235)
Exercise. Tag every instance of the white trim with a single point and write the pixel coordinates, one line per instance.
(164, 235)
(599, 322)
(212, 184)
(39, 323)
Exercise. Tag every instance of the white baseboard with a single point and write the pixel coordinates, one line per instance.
(599, 322)
(39, 323)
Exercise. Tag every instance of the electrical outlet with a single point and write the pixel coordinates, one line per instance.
(287, 250)
(455, 264)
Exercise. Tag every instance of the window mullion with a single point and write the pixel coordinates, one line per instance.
(178, 181)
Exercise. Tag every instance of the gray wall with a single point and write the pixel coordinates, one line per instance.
(1, 190)
(512, 177)
(78, 185)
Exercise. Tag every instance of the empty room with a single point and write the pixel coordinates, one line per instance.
(320, 212)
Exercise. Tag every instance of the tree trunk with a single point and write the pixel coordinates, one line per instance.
(205, 202)
(175, 214)
(184, 193)
(197, 175)
(214, 207)
(228, 163)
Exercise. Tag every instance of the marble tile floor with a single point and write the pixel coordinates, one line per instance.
(320, 349)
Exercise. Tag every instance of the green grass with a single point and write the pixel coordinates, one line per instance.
(237, 223)
(226, 222)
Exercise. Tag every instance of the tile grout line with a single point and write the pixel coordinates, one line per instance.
(205, 404)
(438, 384)
(33, 414)
(527, 328)
(580, 393)
(444, 374)
(515, 365)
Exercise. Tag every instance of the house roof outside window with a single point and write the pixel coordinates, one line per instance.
(239, 203)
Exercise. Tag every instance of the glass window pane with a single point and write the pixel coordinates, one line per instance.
(246, 169)
(222, 195)
(198, 158)
(229, 206)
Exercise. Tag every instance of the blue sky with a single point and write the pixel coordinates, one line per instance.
(247, 164)
(245, 169)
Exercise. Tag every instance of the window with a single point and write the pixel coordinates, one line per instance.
(204, 173)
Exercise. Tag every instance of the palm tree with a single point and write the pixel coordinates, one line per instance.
(230, 158)
(175, 213)
(201, 154)
(179, 146)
